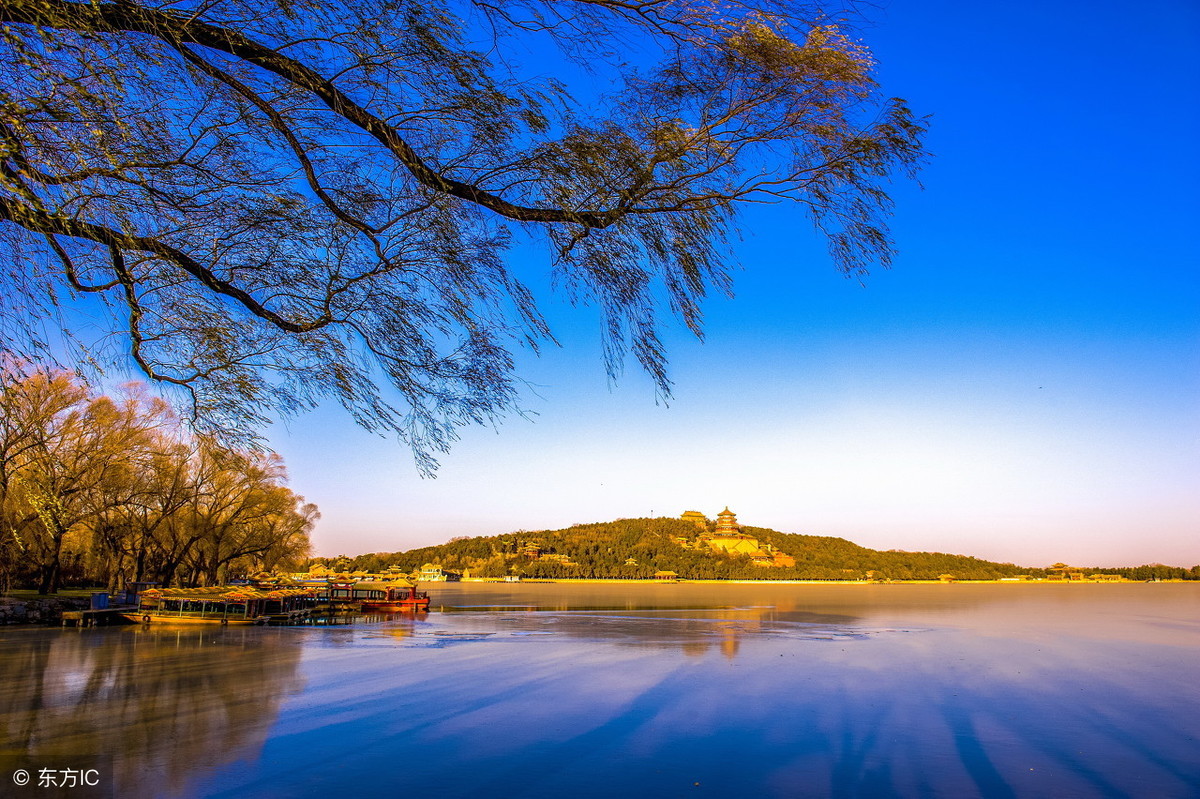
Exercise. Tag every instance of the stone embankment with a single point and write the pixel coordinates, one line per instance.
(42, 610)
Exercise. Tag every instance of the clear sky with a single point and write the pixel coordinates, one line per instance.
(1023, 385)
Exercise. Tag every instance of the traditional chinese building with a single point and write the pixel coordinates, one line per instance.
(434, 573)
(729, 539)
(727, 522)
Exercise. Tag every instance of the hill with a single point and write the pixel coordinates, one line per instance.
(700, 549)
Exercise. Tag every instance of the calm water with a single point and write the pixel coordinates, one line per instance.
(656, 690)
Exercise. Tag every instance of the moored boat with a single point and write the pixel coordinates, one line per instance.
(222, 605)
(397, 598)
(376, 597)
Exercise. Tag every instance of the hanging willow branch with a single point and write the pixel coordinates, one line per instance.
(290, 201)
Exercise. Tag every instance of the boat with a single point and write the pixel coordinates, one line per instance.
(223, 605)
(376, 597)
(397, 598)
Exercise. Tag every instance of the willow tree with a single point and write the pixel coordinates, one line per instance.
(115, 489)
(67, 458)
(278, 202)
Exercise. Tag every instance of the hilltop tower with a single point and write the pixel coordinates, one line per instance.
(727, 522)
(728, 539)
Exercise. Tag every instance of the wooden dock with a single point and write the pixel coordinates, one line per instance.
(93, 618)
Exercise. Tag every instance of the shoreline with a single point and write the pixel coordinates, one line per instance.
(685, 581)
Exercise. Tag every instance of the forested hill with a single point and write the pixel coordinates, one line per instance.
(638, 548)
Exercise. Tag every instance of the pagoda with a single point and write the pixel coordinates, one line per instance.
(727, 522)
(729, 539)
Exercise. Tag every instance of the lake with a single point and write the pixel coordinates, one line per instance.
(552, 690)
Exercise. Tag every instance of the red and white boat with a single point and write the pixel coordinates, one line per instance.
(396, 598)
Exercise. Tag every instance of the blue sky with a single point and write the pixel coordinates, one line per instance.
(1022, 386)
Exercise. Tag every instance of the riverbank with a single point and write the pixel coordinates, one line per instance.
(21, 607)
(675, 581)
(890, 602)
(29, 607)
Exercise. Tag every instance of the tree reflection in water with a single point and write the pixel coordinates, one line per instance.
(163, 701)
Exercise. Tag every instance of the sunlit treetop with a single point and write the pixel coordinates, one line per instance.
(281, 203)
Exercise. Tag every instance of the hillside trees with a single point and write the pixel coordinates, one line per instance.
(637, 548)
(120, 490)
(280, 202)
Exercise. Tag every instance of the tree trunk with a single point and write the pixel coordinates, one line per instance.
(51, 572)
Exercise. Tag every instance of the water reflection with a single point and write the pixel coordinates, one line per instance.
(162, 700)
(691, 630)
(1024, 691)
(691, 618)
